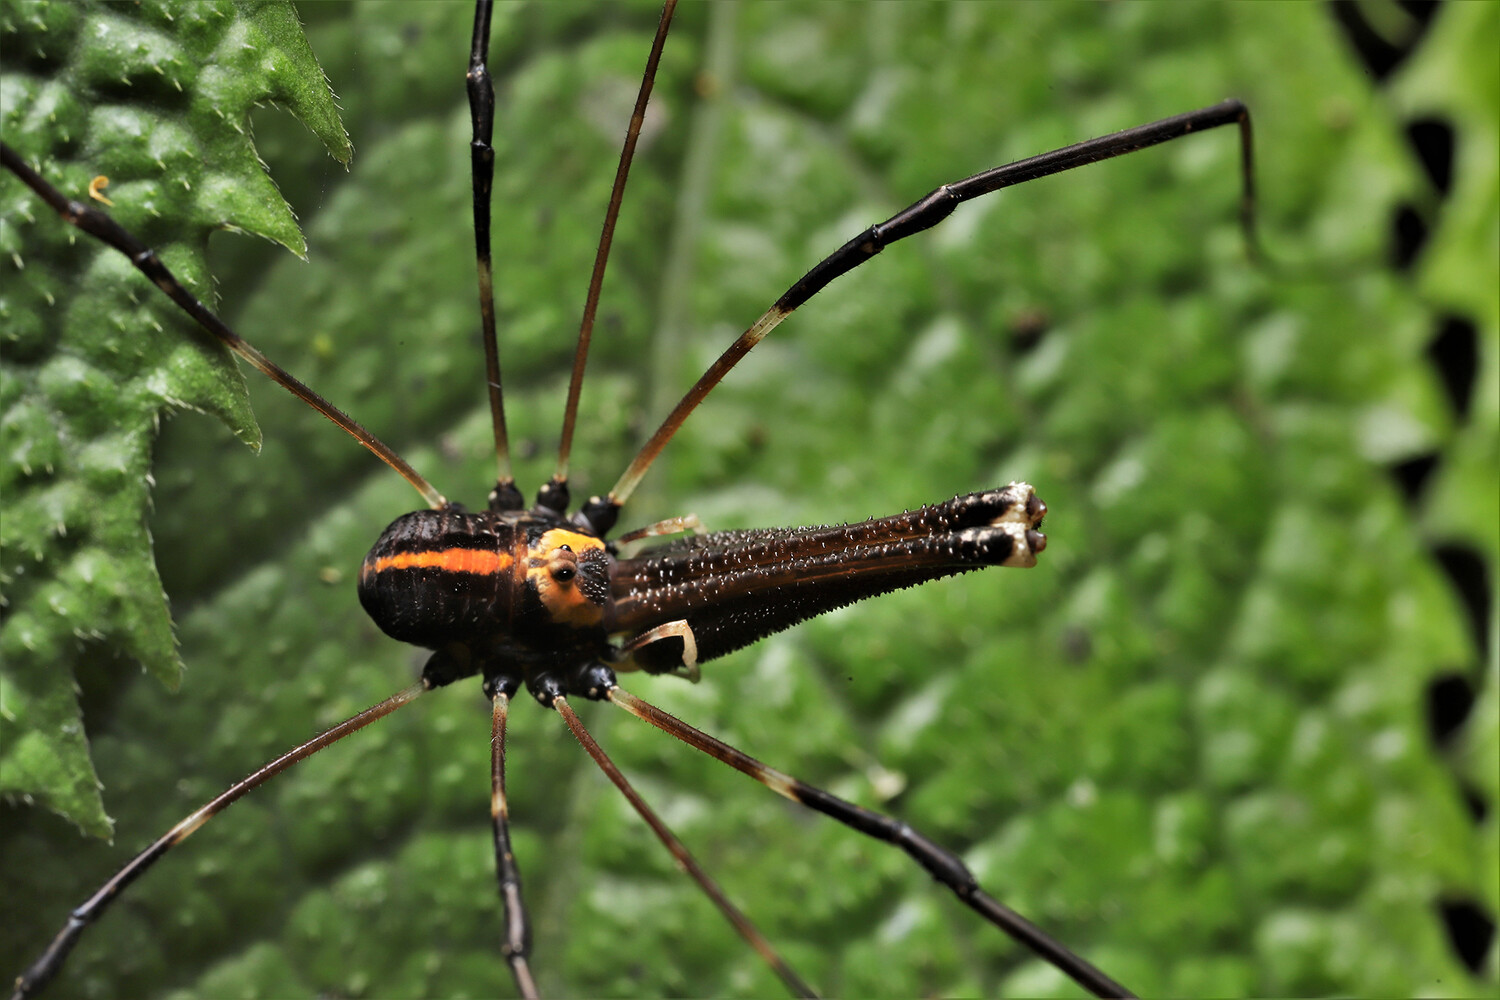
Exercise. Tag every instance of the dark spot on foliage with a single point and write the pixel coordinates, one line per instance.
(1383, 47)
(1432, 138)
(1454, 352)
(1471, 929)
(1408, 236)
(1467, 571)
(1450, 699)
(1413, 474)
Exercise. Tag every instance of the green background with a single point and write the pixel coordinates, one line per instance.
(1191, 742)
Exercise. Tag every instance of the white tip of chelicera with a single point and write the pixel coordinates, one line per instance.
(1020, 520)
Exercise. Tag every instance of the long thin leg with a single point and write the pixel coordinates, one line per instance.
(482, 171)
(941, 863)
(555, 493)
(924, 214)
(44, 968)
(111, 233)
(517, 928)
(685, 861)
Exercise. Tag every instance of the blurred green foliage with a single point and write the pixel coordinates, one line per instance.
(1191, 742)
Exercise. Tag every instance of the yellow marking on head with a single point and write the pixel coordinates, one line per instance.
(558, 537)
(553, 568)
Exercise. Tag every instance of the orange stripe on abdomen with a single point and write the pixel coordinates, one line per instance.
(479, 562)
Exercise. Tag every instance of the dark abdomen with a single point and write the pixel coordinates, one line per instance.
(437, 577)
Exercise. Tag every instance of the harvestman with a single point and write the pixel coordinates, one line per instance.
(537, 597)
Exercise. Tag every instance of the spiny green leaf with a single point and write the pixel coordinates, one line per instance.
(155, 98)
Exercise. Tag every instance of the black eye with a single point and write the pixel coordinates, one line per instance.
(565, 548)
(564, 573)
